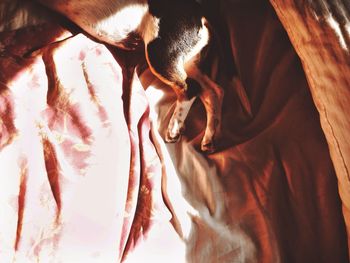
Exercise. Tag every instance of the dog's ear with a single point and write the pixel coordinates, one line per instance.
(158, 8)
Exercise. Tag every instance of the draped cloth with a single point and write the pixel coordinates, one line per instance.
(85, 175)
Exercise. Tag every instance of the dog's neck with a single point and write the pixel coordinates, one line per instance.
(108, 20)
(112, 21)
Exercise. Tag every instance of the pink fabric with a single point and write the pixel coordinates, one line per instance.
(85, 176)
(78, 182)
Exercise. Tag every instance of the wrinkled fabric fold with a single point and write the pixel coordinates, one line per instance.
(78, 182)
(85, 175)
(320, 33)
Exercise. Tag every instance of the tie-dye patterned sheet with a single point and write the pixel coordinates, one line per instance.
(86, 177)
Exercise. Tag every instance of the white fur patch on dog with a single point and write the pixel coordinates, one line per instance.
(149, 28)
(204, 40)
(118, 25)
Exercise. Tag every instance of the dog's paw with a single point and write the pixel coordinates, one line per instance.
(175, 129)
(172, 138)
(173, 134)
(208, 147)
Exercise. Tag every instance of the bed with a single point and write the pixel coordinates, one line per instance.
(85, 175)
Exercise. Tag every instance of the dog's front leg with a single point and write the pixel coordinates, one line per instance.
(212, 97)
(185, 98)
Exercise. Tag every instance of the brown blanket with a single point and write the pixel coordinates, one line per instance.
(86, 177)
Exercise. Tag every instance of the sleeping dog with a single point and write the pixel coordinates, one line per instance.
(174, 33)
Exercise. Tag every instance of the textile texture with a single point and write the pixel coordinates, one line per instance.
(85, 175)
